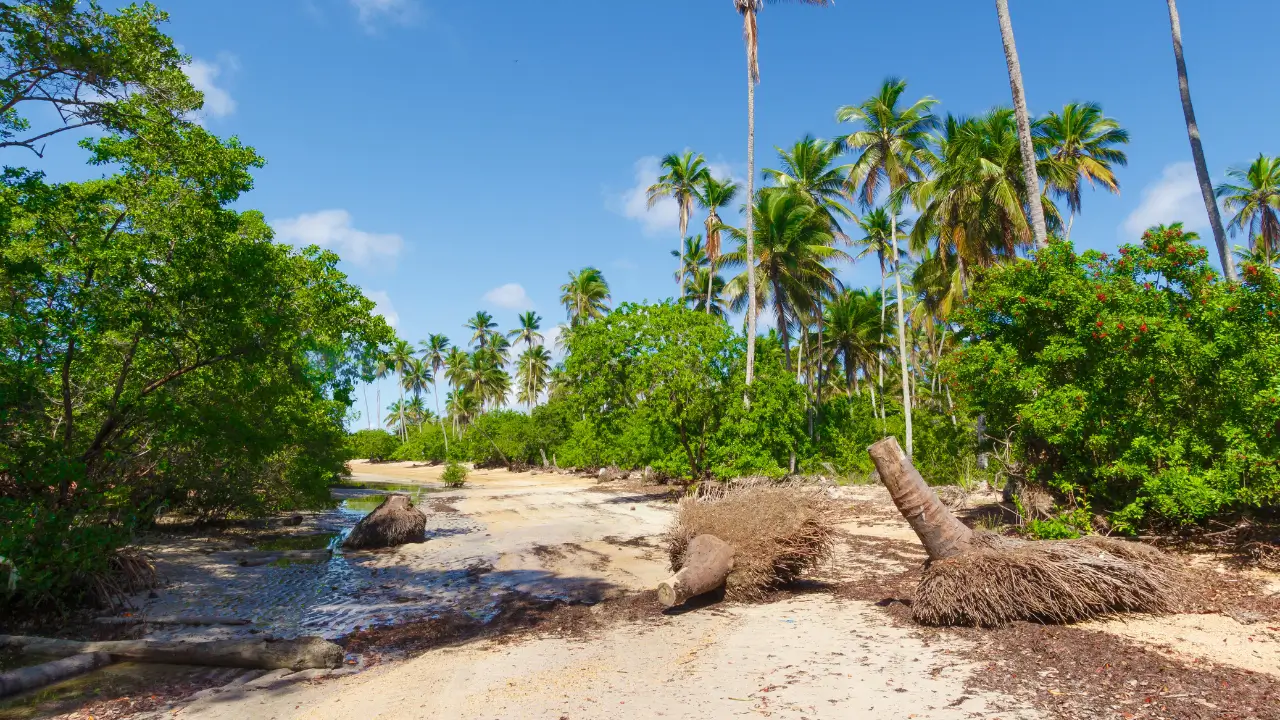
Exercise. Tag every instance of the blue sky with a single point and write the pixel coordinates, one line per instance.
(465, 156)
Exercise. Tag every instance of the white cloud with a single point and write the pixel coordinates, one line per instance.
(383, 307)
(664, 217)
(204, 77)
(1175, 197)
(510, 296)
(371, 12)
(624, 264)
(332, 229)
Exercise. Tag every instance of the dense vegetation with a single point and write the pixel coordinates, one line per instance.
(160, 352)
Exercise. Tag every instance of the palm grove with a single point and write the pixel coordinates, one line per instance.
(987, 335)
(164, 356)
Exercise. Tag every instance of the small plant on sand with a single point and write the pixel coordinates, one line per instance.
(455, 475)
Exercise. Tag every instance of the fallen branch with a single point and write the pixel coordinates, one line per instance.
(299, 654)
(38, 676)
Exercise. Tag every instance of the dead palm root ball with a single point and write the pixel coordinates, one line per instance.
(778, 532)
(395, 522)
(1062, 581)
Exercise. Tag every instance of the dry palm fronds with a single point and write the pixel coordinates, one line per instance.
(778, 532)
(1051, 581)
(129, 572)
(395, 522)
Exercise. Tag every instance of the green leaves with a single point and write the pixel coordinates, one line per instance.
(1138, 384)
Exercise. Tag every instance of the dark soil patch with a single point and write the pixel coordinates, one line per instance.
(547, 553)
(518, 618)
(441, 505)
(635, 542)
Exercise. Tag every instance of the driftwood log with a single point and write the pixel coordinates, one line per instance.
(300, 654)
(37, 676)
(707, 563)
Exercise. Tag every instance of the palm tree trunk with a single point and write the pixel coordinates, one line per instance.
(1030, 177)
(884, 310)
(1070, 222)
(902, 330)
(443, 434)
(368, 417)
(942, 535)
(782, 320)
(403, 428)
(711, 276)
(684, 228)
(1197, 148)
(378, 400)
(749, 20)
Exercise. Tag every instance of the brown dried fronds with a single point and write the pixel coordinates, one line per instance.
(778, 532)
(1052, 581)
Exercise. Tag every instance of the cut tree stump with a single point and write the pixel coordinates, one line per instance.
(38, 676)
(300, 654)
(707, 563)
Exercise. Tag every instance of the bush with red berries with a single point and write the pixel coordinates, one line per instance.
(1139, 386)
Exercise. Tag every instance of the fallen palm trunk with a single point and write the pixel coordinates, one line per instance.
(707, 563)
(38, 676)
(982, 579)
(170, 620)
(299, 654)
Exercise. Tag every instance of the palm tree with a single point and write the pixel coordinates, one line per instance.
(748, 9)
(532, 368)
(680, 180)
(703, 292)
(1197, 147)
(487, 381)
(433, 351)
(794, 245)
(416, 379)
(462, 406)
(585, 296)
(398, 360)
(395, 418)
(527, 333)
(855, 334)
(713, 195)
(1030, 177)
(693, 256)
(417, 412)
(457, 366)
(892, 153)
(1083, 142)
(483, 327)
(808, 168)
(1255, 199)
(878, 234)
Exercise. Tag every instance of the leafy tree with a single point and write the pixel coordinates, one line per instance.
(585, 297)
(1082, 142)
(1137, 385)
(1255, 200)
(371, 445)
(682, 175)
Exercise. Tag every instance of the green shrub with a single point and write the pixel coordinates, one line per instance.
(454, 476)
(372, 445)
(1138, 385)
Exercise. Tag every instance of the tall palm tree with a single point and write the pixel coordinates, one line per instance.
(457, 370)
(794, 245)
(585, 297)
(1025, 141)
(417, 379)
(808, 167)
(434, 350)
(417, 412)
(527, 333)
(1197, 147)
(855, 334)
(462, 406)
(1255, 199)
(1083, 142)
(878, 234)
(682, 174)
(399, 360)
(483, 328)
(714, 194)
(396, 413)
(487, 381)
(694, 257)
(532, 369)
(751, 38)
(697, 297)
(891, 154)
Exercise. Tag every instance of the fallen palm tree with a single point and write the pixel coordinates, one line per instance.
(767, 535)
(981, 579)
